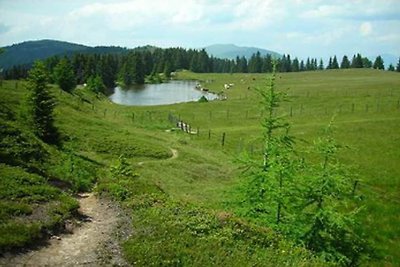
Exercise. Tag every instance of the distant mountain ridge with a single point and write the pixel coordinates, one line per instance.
(29, 51)
(231, 51)
(26, 53)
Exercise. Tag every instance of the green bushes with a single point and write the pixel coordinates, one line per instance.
(16, 184)
(18, 147)
(80, 173)
(10, 209)
(169, 233)
(28, 206)
(121, 179)
(14, 234)
(307, 202)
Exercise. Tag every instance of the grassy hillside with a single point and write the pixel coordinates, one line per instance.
(367, 108)
(183, 194)
(96, 133)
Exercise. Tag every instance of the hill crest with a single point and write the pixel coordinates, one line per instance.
(231, 51)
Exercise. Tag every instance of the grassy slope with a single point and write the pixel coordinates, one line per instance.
(96, 132)
(178, 204)
(367, 108)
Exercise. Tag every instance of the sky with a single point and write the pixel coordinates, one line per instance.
(301, 28)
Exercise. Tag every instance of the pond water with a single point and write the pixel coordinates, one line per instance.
(159, 94)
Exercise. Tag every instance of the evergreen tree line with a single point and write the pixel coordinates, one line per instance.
(134, 66)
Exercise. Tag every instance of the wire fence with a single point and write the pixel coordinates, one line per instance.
(235, 144)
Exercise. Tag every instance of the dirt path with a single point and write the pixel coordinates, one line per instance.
(174, 152)
(91, 244)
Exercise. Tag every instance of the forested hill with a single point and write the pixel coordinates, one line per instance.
(128, 66)
(231, 51)
(28, 52)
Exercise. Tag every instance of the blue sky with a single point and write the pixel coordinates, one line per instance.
(300, 27)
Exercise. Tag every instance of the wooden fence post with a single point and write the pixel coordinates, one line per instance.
(354, 187)
(209, 134)
(223, 139)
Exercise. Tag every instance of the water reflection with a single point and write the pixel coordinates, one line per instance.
(159, 94)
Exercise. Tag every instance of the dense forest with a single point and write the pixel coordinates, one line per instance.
(133, 67)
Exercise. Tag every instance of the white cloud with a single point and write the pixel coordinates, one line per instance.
(323, 11)
(317, 26)
(366, 28)
(129, 14)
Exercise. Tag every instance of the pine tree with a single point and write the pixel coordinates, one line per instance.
(167, 70)
(345, 64)
(282, 64)
(132, 70)
(357, 61)
(391, 68)
(366, 63)
(241, 64)
(64, 75)
(295, 65)
(255, 63)
(308, 65)
(378, 64)
(335, 64)
(126, 74)
(329, 64)
(302, 67)
(331, 227)
(271, 187)
(288, 67)
(95, 83)
(41, 104)
(310, 203)
(138, 69)
(321, 64)
(203, 61)
(398, 66)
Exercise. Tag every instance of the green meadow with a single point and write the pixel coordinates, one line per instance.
(183, 199)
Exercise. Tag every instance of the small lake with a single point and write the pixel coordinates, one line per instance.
(159, 94)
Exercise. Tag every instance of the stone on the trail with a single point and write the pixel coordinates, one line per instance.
(56, 237)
